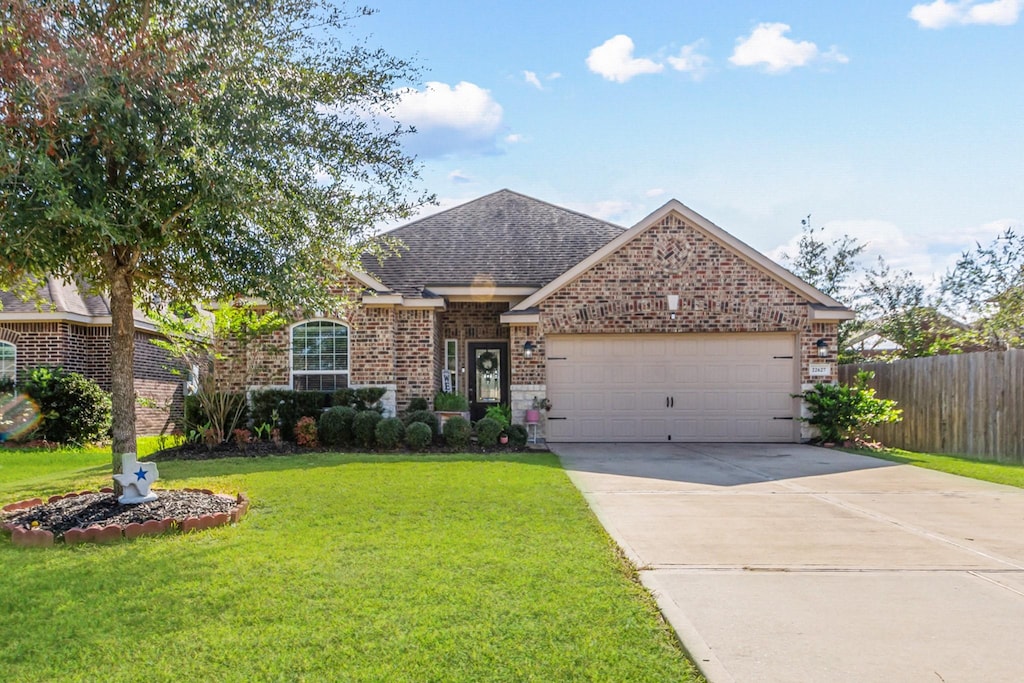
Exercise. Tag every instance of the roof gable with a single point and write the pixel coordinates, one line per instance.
(693, 220)
(505, 239)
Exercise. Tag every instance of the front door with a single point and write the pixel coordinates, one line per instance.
(488, 377)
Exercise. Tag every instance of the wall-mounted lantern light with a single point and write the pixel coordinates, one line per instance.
(528, 349)
(822, 345)
(673, 305)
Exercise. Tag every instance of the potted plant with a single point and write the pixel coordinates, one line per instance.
(448, 404)
(533, 413)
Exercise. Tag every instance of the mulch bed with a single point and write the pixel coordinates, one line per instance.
(102, 509)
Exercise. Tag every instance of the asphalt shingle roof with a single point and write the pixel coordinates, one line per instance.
(507, 237)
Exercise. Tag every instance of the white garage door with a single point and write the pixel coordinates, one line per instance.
(684, 387)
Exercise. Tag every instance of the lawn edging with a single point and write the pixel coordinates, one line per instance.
(112, 533)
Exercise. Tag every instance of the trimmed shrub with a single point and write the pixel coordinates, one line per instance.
(487, 432)
(72, 407)
(389, 432)
(426, 417)
(335, 426)
(290, 406)
(343, 397)
(418, 436)
(457, 431)
(517, 435)
(418, 403)
(845, 411)
(364, 427)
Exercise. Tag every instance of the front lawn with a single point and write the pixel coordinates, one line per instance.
(986, 470)
(348, 567)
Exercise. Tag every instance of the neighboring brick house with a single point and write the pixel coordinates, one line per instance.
(66, 328)
(670, 330)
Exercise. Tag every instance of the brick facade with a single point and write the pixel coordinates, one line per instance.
(719, 291)
(85, 349)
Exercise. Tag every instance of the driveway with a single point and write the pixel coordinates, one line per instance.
(795, 563)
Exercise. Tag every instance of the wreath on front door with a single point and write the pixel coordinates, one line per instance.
(487, 361)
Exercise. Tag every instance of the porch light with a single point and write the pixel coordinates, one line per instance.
(673, 305)
(822, 345)
(528, 349)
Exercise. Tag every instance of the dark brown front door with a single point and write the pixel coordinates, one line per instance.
(488, 377)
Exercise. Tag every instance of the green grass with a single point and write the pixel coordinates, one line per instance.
(986, 470)
(28, 472)
(347, 568)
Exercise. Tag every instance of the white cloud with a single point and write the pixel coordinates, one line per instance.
(768, 47)
(514, 138)
(614, 60)
(457, 176)
(612, 210)
(531, 78)
(554, 75)
(463, 118)
(691, 61)
(940, 14)
(654, 192)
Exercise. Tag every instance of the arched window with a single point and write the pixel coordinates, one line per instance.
(319, 356)
(7, 361)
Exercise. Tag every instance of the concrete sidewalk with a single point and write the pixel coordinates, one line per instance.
(794, 563)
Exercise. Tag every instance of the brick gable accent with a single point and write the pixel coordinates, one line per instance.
(719, 291)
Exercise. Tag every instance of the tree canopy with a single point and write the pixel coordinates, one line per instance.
(177, 150)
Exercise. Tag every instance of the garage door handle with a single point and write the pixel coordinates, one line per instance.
(557, 418)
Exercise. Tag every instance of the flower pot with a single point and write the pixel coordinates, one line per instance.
(503, 438)
(532, 416)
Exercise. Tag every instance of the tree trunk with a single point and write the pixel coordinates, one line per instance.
(120, 277)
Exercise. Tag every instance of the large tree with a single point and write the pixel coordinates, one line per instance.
(987, 284)
(180, 150)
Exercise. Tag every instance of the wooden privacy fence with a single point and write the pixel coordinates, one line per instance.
(970, 404)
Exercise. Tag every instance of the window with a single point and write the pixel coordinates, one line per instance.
(319, 356)
(451, 361)
(7, 366)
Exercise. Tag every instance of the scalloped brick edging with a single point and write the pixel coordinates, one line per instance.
(113, 533)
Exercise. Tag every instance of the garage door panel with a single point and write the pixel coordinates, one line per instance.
(690, 387)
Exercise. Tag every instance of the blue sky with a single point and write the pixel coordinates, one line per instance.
(897, 122)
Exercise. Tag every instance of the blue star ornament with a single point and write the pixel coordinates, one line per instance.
(140, 475)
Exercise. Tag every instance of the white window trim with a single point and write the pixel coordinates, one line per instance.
(454, 372)
(14, 361)
(292, 372)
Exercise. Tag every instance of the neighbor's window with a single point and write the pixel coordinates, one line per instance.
(319, 356)
(451, 361)
(7, 366)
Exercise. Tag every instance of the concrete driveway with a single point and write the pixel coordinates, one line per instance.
(795, 563)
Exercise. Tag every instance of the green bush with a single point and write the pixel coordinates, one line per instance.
(450, 402)
(426, 417)
(363, 398)
(487, 432)
(842, 412)
(290, 407)
(457, 431)
(418, 436)
(72, 407)
(335, 426)
(343, 397)
(418, 403)
(364, 427)
(500, 414)
(517, 435)
(390, 432)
